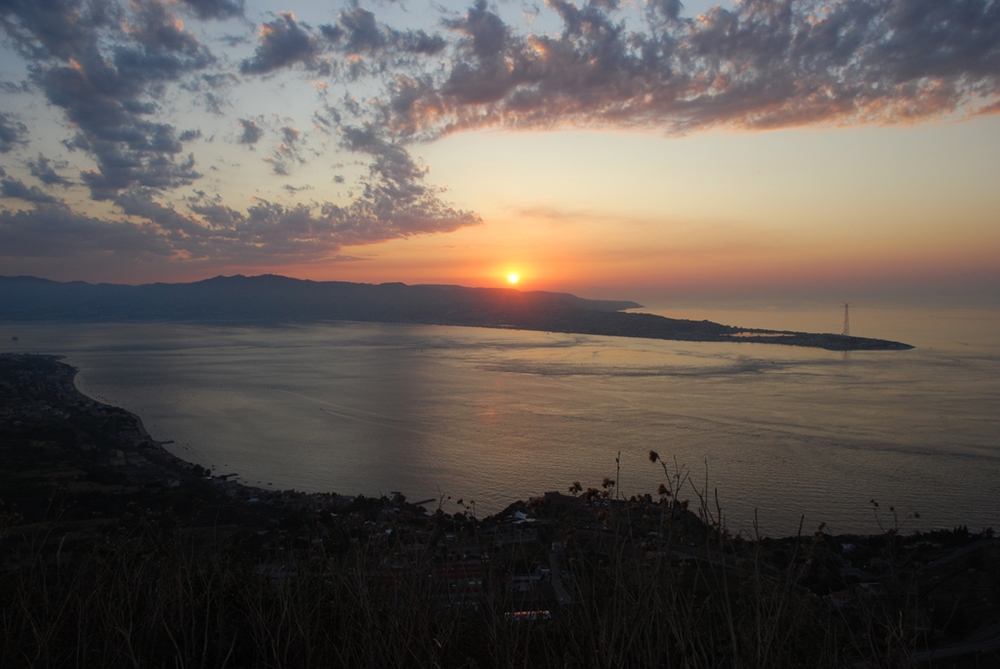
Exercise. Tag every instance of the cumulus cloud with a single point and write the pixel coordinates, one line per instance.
(309, 230)
(55, 231)
(172, 226)
(359, 32)
(43, 169)
(15, 188)
(286, 153)
(394, 204)
(155, 32)
(283, 42)
(12, 133)
(395, 201)
(60, 29)
(761, 64)
(215, 9)
(362, 31)
(286, 42)
(110, 68)
(251, 132)
(104, 65)
(417, 42)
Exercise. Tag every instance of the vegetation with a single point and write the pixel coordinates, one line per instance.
(152, 564)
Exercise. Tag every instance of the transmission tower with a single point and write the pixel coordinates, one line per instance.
(847, 320)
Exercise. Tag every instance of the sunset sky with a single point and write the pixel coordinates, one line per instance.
(630, 149)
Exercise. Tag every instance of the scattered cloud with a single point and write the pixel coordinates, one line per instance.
(286, 42)
(762, 64)
(394, 205)
(287, 153)
(211, 88)
(215, 9)
(251, 132)
(12, 133)
(361, 30)
(15, 188)
(43, 169)
(105, 66)
(283, 42)
(121, 75)
(55, 231)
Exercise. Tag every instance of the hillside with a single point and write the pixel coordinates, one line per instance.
(274, 299)
(114, 553)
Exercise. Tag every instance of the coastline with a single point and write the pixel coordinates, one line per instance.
(274, 300)
(165, 400)
(77, 473)
(126, 441)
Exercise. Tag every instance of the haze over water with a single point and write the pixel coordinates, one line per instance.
(499, 415)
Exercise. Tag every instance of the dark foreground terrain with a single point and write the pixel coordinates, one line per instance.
(114, 553)
(278, 299)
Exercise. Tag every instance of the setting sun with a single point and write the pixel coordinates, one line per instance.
(513, 278)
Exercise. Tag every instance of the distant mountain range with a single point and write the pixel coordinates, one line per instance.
(271, 299)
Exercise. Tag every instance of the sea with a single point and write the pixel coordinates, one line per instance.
(772, 439)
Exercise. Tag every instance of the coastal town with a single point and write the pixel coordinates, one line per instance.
(76, 474)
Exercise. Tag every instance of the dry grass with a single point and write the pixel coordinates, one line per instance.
(650, 584)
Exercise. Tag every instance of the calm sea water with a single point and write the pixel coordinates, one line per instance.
(495, 415)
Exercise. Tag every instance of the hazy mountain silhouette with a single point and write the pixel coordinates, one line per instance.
(272, 299)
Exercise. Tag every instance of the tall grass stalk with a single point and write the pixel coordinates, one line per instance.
(649, 584)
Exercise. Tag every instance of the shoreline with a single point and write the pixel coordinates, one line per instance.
(127, 446)
(78, 473)
(133, 436)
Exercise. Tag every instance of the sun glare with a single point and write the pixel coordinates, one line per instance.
(513, 278)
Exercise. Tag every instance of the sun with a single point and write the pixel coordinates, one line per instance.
(513, 278)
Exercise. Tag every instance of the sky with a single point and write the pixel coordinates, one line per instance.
(652, 150)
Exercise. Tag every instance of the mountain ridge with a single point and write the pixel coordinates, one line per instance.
(274, 299)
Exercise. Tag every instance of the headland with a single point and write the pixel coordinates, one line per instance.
(274, 299)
